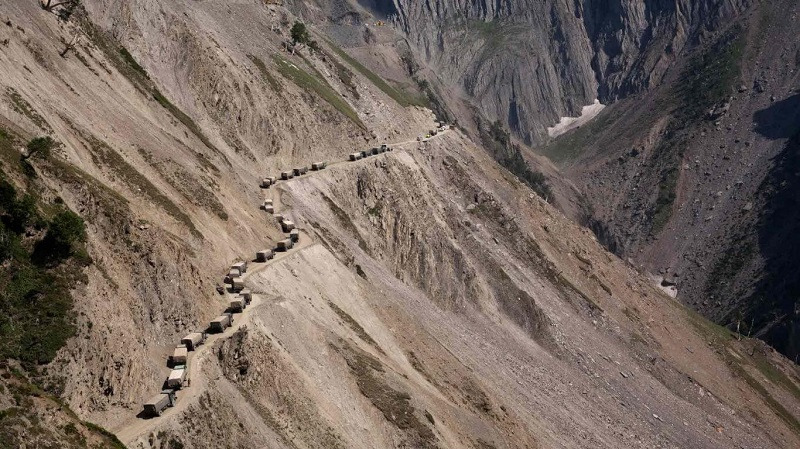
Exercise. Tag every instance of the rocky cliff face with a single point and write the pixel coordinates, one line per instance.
(524, 63)
(695, 178)
(634, 42)
(527, 63)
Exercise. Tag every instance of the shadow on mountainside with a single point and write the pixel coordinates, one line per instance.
(779, 121)
(775, 303)
(381, 8)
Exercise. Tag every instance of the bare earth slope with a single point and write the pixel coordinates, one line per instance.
(352, 345)
(434, 301)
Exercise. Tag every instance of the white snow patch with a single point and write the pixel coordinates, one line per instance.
(567, 123)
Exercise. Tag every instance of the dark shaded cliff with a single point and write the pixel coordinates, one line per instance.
(696, 177)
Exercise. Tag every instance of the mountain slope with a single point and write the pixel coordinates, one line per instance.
(528, 63)
(692, 179)
(434, 299)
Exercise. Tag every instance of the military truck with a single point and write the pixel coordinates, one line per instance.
(158, 403)
(193, 340)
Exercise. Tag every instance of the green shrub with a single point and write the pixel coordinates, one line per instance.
(23, 213)
(66, 228)
(63, 231)
(36, 316)
(41, 146)
(70, 429)
(299, 33)
(15, 213)
(8, 194)
(435, 103)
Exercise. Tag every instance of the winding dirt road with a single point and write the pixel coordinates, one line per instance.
(135, 427)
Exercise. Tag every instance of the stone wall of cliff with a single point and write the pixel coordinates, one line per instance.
(529, 62)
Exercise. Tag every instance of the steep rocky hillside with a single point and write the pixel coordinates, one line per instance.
(528, 63)
(32, 418)
(159, 154)
(696, 179)
(682, 77)
(423, 310)
(432, 300)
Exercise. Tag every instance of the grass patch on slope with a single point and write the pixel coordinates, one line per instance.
(265, 74)
(20, 106)
(776, 406)
(42, 256)
(316, 86)
(722, 339)
(127, 65)
(396, 405)
(131, 62)
(710, 76)
(402, 98)
(776, 376)
(707, 82)
(729, 265)
(355, 326)
(183, 118)
(568, 146)
(662, 209)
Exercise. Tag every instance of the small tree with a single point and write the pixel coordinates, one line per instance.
(22, 213)
(299, 33)
(62, 8)
(66, 228)
(63, 231)
(40, 147)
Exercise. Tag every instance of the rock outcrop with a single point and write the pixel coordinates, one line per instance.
(527, 63)
(696, 178)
